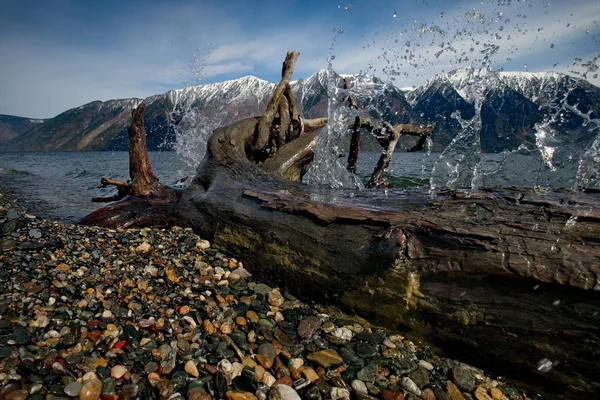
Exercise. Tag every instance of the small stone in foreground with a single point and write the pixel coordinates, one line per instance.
(326, 358)
(453, 391)
(283, 392)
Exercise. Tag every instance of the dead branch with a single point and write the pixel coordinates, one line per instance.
(266, 121)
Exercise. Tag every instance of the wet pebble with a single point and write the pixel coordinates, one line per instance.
(158, 313)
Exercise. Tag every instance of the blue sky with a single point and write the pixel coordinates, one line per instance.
(55, 55)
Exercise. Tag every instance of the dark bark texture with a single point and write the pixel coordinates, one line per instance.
(505, 278)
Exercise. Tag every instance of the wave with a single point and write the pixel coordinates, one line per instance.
(10, 171)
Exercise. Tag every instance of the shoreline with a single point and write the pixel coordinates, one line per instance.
(158, 313)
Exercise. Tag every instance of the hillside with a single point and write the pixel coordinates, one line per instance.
(11, 126)
(512, 104)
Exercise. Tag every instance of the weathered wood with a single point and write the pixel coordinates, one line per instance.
(140, 172)
(507, 277)
(266, 121)
(388, 137)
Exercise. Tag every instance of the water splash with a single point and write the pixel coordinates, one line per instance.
(459, 166)
(327, 168)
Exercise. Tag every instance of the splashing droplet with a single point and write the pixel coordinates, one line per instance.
(394, 16)
(544, 365)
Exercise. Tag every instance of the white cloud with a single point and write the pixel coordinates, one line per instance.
(139, 52)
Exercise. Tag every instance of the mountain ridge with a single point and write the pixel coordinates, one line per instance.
(512, 103)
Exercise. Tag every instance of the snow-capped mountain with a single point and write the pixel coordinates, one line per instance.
(511, 104)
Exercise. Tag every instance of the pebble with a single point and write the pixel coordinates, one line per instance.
(118, 371)
(326, 358)
(283, 392)
(190, 368)
(359, 386)
(72, 389)
(425, 365)
(240, 395)
(410, 386)
(91, 390)
(158, 313)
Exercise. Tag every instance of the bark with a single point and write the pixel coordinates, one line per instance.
(505, 278)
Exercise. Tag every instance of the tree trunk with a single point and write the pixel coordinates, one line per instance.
(504, 278)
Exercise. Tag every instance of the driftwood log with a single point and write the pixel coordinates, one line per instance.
(503, 279)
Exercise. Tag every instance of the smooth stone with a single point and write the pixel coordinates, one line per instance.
(326, 358)
(192, 369)
(426, 365)
(265, 322)
(239, 395)
(73, 389)
(91, 390)
(410, 386)
(283, 392)
(359, 386)
(263, 289)
(464, 376)
(118, 371)
(12, 214)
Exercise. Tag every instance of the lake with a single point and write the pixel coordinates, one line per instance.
(60, 185)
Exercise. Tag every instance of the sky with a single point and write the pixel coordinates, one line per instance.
(60, 54)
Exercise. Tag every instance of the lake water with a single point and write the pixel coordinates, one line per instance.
(60, 185)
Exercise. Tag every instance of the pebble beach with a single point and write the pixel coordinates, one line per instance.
(94, 313)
